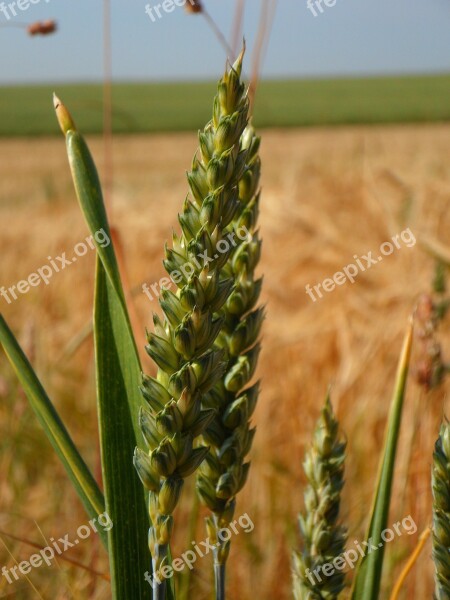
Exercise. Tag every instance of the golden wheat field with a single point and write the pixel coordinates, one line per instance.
(328, 194)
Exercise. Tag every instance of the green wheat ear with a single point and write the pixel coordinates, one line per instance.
(229, 434)
(322, 536)
(183, 343)
(440, 482)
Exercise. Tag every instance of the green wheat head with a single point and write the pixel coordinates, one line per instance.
(183, 344)
(323, 538)
(440, 482)
(229, 435)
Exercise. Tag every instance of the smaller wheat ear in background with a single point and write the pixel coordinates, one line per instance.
(440, 481)
(323, 538)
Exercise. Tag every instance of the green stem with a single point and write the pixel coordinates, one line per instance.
(185, 578)
(159, 591)
(221, 550)
(219, 580)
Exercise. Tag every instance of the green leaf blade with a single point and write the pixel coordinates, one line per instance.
(118, 377)
(77, 470)
(90, 197)
(367, 582)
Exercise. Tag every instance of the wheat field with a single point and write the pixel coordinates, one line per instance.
(328, 194)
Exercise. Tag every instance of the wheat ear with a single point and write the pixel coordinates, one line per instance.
(322, 536)
(440, 483)
(182, 345)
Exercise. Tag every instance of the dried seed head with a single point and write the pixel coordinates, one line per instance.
(429, 368)
(193, 6)
(42, 27)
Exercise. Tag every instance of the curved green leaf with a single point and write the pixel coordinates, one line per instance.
(367, 580)
(117, 381)
(82, 479)
(90, 197)
(118, 377)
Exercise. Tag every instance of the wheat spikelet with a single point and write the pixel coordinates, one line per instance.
(182, 345)
(322, 536)
(440, 482)
(229, 435)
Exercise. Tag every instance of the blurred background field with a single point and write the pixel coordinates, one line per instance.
(181, 106)
(328, 193)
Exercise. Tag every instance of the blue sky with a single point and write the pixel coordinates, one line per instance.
(353, 37)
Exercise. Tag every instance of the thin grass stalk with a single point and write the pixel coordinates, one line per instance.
(423, 538)
(63, 557)
(267, 17)
(238, 21)
(218, 33)
(322, 536)
(183, 343)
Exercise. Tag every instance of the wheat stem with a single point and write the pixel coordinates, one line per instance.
(410, 564)
(219, 580)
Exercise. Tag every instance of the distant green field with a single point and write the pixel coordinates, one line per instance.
(141, 107)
